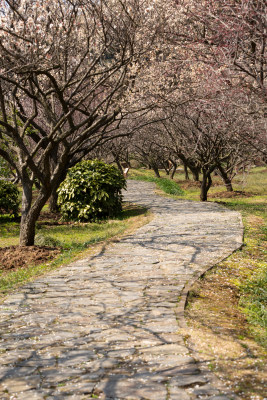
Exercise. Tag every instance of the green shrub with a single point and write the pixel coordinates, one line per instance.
(91, 191)
(9, 198)
(5, 171)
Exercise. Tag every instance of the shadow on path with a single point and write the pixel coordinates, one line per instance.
(106, 327)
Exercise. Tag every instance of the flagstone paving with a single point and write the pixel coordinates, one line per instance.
(107, 327)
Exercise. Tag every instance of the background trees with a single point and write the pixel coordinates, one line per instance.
(231, 37)
(209, 81)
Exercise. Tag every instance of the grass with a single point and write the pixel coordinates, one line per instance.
(254, 182)
(226, 311)
(76, 241)
(79, 236)
(166, 185)
(9, 231)
(254, 299)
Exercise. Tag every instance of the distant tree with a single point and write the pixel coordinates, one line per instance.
(207, 138)
(230, 37)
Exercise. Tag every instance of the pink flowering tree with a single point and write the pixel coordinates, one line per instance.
(231, 38)
(65, 68)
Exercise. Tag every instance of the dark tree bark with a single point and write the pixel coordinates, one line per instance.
(156, 171)
(29, 216)
(117, 161)
(191, 164)
(26, 201)
(205, 186)
(186, 172)
(225, 178)
(174, 168)
(166, 167)
(195, 173)
(53, 207)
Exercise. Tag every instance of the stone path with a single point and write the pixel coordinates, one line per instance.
(107, 327)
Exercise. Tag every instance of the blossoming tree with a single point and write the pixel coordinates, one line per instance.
(65, 68)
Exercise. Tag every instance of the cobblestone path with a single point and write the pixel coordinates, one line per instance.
(107, 327)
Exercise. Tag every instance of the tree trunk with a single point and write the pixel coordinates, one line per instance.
(195, 173)
(225, 178)
(26, 200)
(27, 230)
(53, 207)
(186, 172)
(205, 186)
(117, 161)
(30, 214)
(174, 167)
(166, 167)
(119, 165)
(156, 171)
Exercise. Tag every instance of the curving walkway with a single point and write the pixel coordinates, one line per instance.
(108, 327)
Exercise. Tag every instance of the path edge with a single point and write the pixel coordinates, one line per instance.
(185, 292)
(183, 325)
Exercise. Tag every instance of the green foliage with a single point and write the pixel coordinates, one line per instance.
(4, 169)
(91, 191)
(254, 298)
(9, 198)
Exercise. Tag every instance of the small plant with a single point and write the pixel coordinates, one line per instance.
(9, 198)
(254, 299)
(91, 191)
(46, 240)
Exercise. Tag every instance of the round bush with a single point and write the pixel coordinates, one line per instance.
(91, 191)
(9, 198)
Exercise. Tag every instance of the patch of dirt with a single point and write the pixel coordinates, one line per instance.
(15, 257)
(47, 216)
(51, 219)
(255, 221)
(235, 193)
(188, 184)
(219, 332)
